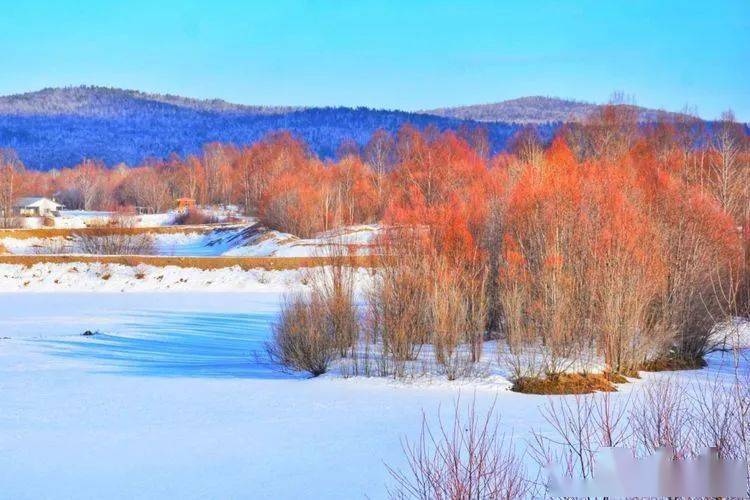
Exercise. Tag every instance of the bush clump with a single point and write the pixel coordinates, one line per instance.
(119, 236)
(302, 339)
(469, 458)
(673, 363)
(194, 217)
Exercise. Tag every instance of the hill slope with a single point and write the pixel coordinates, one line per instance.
(536, 109)
(103, 102)
(55, 128)
(59, 127)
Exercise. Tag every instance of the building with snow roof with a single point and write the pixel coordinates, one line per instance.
(36, 206)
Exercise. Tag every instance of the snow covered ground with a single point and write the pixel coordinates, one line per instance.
(238, 241)
(77, 219)
(170, 401)
(97, 277)
(188, 243)
(353, 239)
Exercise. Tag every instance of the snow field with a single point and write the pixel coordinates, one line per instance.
(169, 401)
(97, 277)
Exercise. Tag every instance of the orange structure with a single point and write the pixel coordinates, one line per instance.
(185, 204)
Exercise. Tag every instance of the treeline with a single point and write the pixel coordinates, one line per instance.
(277, 178)
(615, 242)
(135, 131)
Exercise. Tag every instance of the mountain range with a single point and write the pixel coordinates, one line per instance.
(58, 127)
(538, 109)
(103, 102)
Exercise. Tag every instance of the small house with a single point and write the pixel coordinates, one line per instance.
(37, 206)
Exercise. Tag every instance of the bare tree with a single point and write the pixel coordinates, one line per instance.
(729, 176)
(315, 328)
(398, 309)
(380, 154)
(87, 183)
(334, 287)
(11, 176)
(145, 188)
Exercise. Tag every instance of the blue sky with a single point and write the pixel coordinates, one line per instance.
(408, 55)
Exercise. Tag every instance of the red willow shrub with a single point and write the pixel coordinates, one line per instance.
(602, 255)
(467, 458)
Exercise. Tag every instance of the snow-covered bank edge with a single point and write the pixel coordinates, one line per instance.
(100, 277)
(248, 240)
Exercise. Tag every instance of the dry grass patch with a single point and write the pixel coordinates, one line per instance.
(568, 383)
(671, 364)
(203, 263)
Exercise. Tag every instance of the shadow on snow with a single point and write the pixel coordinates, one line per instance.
(169, 344)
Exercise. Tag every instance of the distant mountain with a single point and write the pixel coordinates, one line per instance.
(104, 102)
(55, 128)
(536, 109)
(58, 127)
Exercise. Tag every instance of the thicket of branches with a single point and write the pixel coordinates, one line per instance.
(686, 419)
(616, 241)
(469, 457)
(117, 237)
(316, 327)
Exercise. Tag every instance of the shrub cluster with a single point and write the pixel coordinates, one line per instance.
(616, 243)
(118, 236)
(316, 327)
(685, 419)
(470, 457)
(194, 217)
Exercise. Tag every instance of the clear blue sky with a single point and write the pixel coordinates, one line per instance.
(407, 54)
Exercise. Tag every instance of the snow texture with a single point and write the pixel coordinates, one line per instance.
(97, 277)
(169, 401)
(233, 241)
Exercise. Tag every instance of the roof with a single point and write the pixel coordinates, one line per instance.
(33, 201)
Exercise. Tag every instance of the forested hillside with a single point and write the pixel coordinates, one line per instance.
(55, 128)
(538, 109)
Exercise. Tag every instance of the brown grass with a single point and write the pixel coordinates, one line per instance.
(204, 263)
(671, 364)
(567, 383)
(619, 378)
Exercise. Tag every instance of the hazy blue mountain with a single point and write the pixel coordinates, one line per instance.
(59, 127)
(104, 102)
(535, 109)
